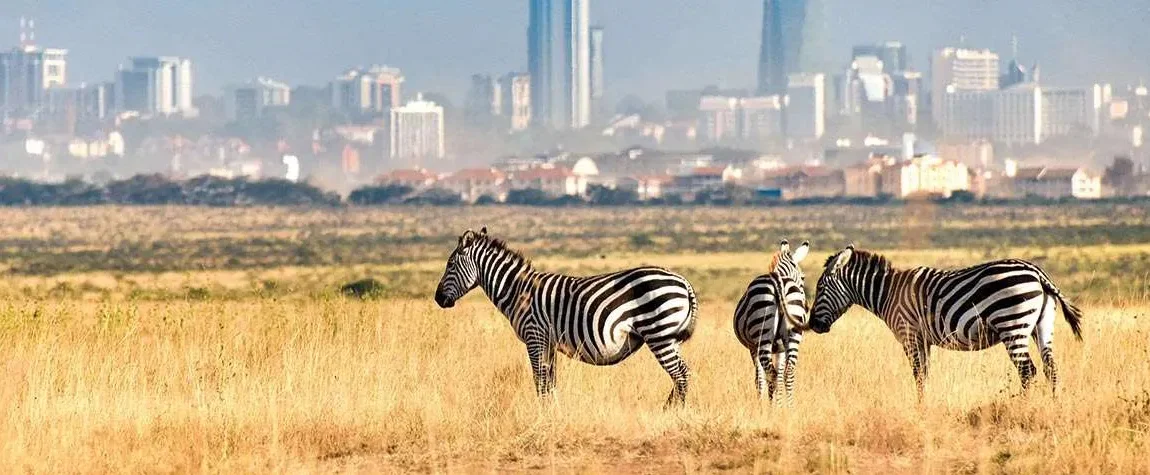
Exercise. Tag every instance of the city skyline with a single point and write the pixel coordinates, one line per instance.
(720, 39)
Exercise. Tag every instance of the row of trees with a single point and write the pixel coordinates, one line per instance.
(214, 191)
(160, 190)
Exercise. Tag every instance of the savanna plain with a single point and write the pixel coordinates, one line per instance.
(174, 340)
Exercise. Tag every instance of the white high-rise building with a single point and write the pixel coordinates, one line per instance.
(1069, 111)
(417, 130)
(577, 83)
(1012, 116)
(806, 106)
(726, 119)
(718, 118)
(516, 92)
(960, 70)
(598, 79)
(156, 85)
(247, 101)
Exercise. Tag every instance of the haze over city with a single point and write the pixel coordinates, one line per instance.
(474, 101)
(654, 45)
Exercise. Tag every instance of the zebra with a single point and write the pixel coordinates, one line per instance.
(600, 320)
(770, 331)
(967, 309)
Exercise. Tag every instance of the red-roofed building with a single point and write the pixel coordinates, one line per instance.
(1051, 182)
(702, 178)
(416, 178)
(646, 187)
(472, 183)
(806, 182)
(553, 180)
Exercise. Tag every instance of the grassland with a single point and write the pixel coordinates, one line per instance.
(187, 340)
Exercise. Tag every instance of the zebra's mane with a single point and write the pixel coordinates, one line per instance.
(775, 259)
(501, 246)
(864, 258)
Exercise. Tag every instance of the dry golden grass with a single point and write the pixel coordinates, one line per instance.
(326, 385)
(143, 340)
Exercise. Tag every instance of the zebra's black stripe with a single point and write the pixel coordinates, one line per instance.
(1007, 301)
(599, 320)
(769, 320)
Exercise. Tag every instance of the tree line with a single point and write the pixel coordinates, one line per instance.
(216, 191)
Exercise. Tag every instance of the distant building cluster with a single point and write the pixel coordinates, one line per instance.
(874, 123)
(34, 84)
(652, 175)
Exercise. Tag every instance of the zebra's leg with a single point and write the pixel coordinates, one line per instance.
(780, 360)
(919, 355)
(760, 374)
(542, 356)
(791, 363)
(765, 361)
(549, 365)
(1044, 335)
(671, 359)
(1018, 346)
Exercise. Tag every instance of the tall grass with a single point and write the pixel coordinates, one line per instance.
(144, 340)
(322, 385)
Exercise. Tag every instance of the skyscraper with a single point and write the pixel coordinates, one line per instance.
(598, 82)
(247, 101)
(892, 54)
(954, 70)
(27, 72)
(417, 131)
(516, 92)
(540, 33)
(806, 106)
(1012, 116)
(780, 52)
(156, 85)
(484, 101)
(577, 83)
(374, 90)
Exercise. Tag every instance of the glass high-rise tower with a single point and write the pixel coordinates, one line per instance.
(540, 34)
(782, 43)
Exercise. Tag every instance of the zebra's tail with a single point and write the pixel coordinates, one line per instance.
(1071, 312)
(688, 327)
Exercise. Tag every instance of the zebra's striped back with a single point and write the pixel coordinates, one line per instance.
(770, 314)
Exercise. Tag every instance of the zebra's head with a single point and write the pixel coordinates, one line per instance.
(786, 265)
(832, 296)
(462, 274)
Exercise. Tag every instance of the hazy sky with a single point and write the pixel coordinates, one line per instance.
(651, 45)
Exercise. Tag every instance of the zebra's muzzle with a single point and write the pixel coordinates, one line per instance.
(443, 301)
(818, 326)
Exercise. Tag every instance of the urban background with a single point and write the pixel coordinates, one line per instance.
(866, 123)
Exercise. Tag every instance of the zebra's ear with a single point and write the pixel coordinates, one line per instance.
(784, 246)
(842, 259)
(801, 252)
(483, 231)
(466, 239)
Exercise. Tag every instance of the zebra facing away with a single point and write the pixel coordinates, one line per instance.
(600, 320)
(769, 318)
(968, 309)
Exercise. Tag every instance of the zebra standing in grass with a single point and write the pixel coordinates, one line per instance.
(599, 320)
(968, 309)
(769, 318)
